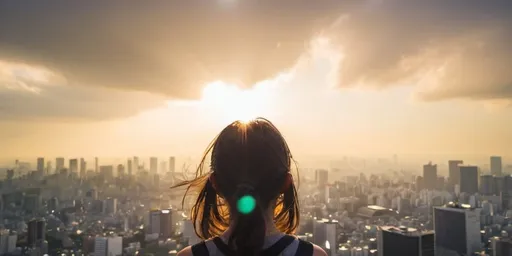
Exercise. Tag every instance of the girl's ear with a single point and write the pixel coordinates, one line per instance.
(287, 183)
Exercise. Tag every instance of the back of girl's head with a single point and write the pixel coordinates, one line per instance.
(249, 160)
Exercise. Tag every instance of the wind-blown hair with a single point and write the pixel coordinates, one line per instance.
(247, 158)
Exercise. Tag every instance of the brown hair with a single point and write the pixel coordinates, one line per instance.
(247, 158)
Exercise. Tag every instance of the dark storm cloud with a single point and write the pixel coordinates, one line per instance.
(458, 48)
(451, 49)
(170, 47)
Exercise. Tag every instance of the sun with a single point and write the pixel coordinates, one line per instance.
(233, 103)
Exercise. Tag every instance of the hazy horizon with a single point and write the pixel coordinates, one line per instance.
(365, 78)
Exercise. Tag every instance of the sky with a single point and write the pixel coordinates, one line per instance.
(337, 77)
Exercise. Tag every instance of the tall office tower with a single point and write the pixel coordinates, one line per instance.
(163, 167)
(130, 167)
(154, 222)
(498, 185)
(40, 165)
(453, 171)
(108, 246)
(322, 180)
(501, 246)
(32, 232)
(419, 183)
(49, 167)
(59, 164)
(96, 165)
(153, 165)
(166, 224)
(487, 185)
(110, 206)
(172, 164)
(36, 231)
(73, 165)
(324, 234)
(136, 164)
(405, 241)
(120, 170)
(107, 171)
(83, 167)
(506, 192)
(7, 242)
(457, 229)
(321, 177)
(430, 176)
(496, 166)
(468, 179)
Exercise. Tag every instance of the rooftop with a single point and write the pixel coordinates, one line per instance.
(406, 231)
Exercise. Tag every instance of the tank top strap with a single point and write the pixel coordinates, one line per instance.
(285, 245)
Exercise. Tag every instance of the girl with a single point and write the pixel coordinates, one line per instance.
(247, 202)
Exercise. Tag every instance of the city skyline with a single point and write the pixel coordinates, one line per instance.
(337, 79)
(396, 117)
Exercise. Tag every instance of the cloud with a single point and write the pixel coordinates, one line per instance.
(449, 49)
(169, 47)
(35, 93)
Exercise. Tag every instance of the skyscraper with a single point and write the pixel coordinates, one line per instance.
(110, 206)
(49, 167)
(153, 165)
(506, 191)
(166, 224)
(107, 171)
(136, 164)
(457, 229)
(487, 183)
(496, 165)
(36, 231)
(129, 167)
(73, 165)
(96, 165)
(7, 242)
(172, 164)
(83, 167)
(163, 167)
(154, 222)
(501, 246)
(430, 176)
(469, 179)
(108, 246)
(321, 177)
(453, 171)
(40, 165)
(324, 234)
(405, 241)
(120, 170)
(59, 164)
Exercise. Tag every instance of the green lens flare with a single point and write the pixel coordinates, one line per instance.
(246, 204)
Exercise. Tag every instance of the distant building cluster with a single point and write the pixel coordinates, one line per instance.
(351, 209)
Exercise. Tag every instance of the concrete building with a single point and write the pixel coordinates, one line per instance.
(405, 241)
(496, 165)
(153, 165)
(457, 229)
(468, 179)
(430, 176)
(453, 171)
(108, 246)
(59, 164)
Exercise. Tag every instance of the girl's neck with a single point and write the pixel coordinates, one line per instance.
(270, 226)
